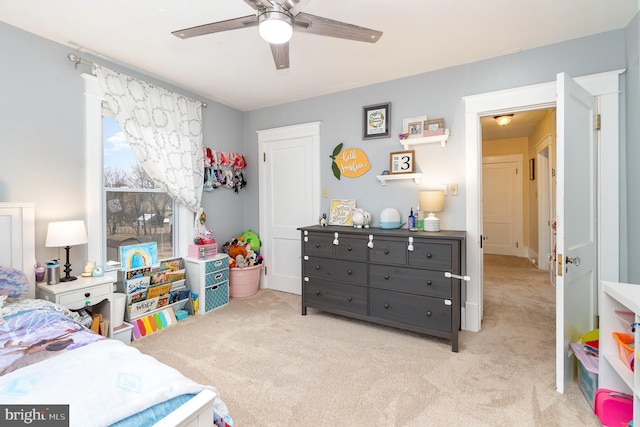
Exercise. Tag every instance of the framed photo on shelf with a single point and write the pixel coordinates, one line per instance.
(402, 162)
(376, 120)
(434, 127)
(414, 126)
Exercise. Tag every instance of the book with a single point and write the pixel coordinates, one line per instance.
(141, 307)
(163, 301)
(174, 276)
(173, 264)
(137, 272)
(158, 290)
(137, 284)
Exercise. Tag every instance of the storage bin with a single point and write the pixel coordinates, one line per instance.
(209, 250)
(123, 333)
(613, 408)
(587, 373)
(244, 282)
(625, 348)
(216, 296)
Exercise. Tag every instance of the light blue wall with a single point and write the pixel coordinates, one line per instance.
(42, 122)
(438, 95)
(631, 156)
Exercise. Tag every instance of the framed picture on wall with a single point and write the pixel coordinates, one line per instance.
(434, 127)
(376, 120)
(340, 213)
(402, 162)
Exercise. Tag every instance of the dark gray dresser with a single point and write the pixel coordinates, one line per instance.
(390, 277)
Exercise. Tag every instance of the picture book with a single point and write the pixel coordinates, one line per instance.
(158, 290)
(173, 264)
(137, 272)
(141, 307)
(163, 301)
(137, 284)
(174, 276)
(137, 296)
(160, 275)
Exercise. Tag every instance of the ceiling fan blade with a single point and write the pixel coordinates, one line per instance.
(216, 27)
(294, 6)
(328, 27)
(280, 54)
(259, 4)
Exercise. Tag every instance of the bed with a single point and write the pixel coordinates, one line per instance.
(47, 357)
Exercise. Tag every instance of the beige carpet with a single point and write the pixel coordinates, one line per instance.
(275, 367)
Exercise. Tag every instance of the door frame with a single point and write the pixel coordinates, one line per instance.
(606, 86)
(518, 159)
(543, 186)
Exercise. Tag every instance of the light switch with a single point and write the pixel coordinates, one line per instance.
(325, 192)
(453, 189)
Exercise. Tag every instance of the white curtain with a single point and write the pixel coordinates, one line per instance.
(164, 130)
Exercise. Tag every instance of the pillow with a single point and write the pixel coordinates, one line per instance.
(13, 283)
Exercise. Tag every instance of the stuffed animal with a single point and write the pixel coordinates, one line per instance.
(252, 239)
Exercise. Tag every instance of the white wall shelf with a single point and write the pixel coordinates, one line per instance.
(442, 139)
(414, 176)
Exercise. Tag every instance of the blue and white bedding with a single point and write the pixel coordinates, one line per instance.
(47, 357)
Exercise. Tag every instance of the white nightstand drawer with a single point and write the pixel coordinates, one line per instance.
(85, 296)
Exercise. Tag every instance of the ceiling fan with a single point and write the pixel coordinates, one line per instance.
(276, 21)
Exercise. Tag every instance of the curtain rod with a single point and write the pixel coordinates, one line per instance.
(77, 60)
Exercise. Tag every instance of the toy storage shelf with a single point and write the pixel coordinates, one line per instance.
(416, 177)
(614, 374)
(442, 139)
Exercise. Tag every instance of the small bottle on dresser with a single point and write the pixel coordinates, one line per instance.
(411, 223)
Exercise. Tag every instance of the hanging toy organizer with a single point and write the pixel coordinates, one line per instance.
(223, 170)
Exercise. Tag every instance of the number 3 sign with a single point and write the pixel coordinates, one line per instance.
(402, 162)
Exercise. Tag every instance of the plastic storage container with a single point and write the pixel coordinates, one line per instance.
(625, 348)
(244, 282)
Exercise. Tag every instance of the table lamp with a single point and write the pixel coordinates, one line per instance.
(66, 234)
(432, 201)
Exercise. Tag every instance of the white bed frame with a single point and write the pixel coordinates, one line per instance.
(17, 250)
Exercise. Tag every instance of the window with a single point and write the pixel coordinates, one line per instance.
(135, 211)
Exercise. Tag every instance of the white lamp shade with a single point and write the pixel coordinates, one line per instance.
(66, 233)
(432, 200)
(275, 27)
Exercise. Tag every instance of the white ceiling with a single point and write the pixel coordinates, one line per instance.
(236, 67)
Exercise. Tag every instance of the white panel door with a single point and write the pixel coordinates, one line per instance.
(289, 198)
(501, 205)
(576, 279)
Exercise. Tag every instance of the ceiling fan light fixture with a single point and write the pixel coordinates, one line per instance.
(275, 27)
(504, 119)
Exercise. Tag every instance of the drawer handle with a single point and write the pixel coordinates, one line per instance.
(386, 277)
(317, 245)
(386, 305)
(428, 255)
(317, 292)
(87, 294)
(349, 272)
(349, 248)
(386, 251)
(428, 314)
(350, 299)
(428, 282)
(317, 267)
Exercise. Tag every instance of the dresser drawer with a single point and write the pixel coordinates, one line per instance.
(351, 248)
(339, 296)
(436, 256)
(335, 269)
(85, 296)
(425, 312)
(318, 244)
(216, 265)
(388, 251)
(405, 279)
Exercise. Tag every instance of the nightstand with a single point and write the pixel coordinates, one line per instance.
(95, 293)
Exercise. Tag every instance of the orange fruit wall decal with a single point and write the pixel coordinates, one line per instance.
(350, 162)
